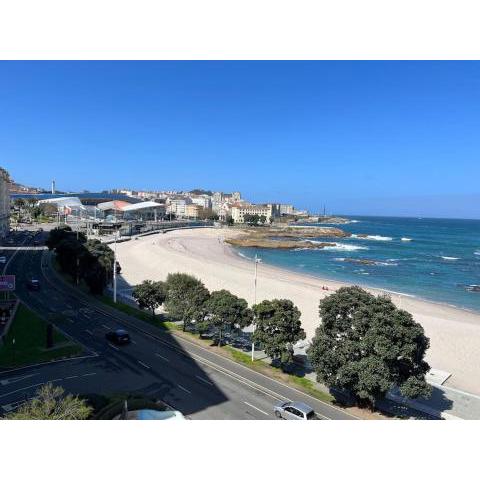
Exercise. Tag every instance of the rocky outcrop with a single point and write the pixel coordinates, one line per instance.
(286, 237)
(260, 242)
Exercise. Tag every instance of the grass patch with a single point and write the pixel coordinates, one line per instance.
(157, 321)
(30, 333)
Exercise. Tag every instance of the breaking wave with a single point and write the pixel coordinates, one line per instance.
(344, 247)
(450, 258)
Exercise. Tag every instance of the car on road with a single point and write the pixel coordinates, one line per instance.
(33, 284)
(118, 337)
(294, 411)
(3, 259)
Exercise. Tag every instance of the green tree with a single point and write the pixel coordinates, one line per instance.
(51, 403)
(262, 219)
(96, 265)
(223, 309)
(365, 345)
(278, 328)
(57, 235)
(150, 295)
(186, 298)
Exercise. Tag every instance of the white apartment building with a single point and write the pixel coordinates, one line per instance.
(203, 201)
(238, 211)
(4, 205)
(178, 206)
(287, 209)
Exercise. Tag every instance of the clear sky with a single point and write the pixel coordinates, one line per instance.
(391, 138)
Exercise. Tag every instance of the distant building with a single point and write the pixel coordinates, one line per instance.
(4, 204)
(240, 210)
(203, 201)
(286, 209)
(193, 210)
(178, 205)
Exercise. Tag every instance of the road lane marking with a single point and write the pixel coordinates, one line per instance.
(16, 379)
(72, 376)
(88, 374)
(256, 408)
(56, 380)
(88, 331)
(133, 341)
(104, 326)
(204, 380)
(163, 358)
(184, 389)
(20, 389)
(113, 346)
(143, 364)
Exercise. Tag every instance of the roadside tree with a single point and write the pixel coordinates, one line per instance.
(365, 345)
(186, 298)
(51, 403)
(225, 310)
(278, 328)
(150, 295)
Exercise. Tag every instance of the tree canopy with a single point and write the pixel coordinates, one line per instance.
(150, 295)
(223, 309)
(51, 403)
(186, 297)
(278, 328)
(366, 345)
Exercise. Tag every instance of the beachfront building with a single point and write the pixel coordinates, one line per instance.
(193, 211)
(203, 201)
(286, 209)
(144, 211)
(113, 209)
(4, 204)
(178, 206)
(239, 210)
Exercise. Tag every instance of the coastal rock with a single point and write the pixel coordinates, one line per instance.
(286, 237)
(260, 242)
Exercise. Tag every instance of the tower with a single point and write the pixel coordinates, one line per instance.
(53, 186)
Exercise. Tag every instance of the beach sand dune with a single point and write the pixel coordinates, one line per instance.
(454, 333)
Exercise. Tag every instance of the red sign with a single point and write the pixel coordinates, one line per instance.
(7, 283)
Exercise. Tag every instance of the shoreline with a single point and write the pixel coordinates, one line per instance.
(454, 332)
(377, 290)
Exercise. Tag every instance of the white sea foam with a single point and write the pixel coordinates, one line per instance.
(450, 258)
(477, 252)
(406, 239)
(244, 256)
(372, 237)
(344, 247)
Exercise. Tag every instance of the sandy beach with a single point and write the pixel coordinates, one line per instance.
(454, 333)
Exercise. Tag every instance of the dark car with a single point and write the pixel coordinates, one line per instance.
(118, 337)
(33, 284)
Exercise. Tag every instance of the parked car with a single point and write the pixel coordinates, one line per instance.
(118, 337)
(33, 284)
(294, 411)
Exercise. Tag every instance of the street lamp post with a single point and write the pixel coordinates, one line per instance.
(254, 302)
(115, 269)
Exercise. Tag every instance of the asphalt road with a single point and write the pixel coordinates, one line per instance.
(190, 378)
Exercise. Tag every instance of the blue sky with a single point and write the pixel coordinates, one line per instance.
(391, 138)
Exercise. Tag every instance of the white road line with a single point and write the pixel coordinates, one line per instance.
(133, 341)
(183, 388)
(113, 346)
(56, 380)
(15, 380)
(143, 364)
(20, 389)
(88, 374)
(88, 331)
(163, 358)
(256, 408)
(204, 380)
(72, 376)
(104, 326)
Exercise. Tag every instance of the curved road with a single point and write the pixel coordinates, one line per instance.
(190, 378)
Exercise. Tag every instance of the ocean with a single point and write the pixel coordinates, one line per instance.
(433, 259)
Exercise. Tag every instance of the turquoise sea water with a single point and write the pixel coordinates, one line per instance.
(434, 259)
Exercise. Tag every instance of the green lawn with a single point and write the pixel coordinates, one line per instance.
(29, 332)
(140, 314)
